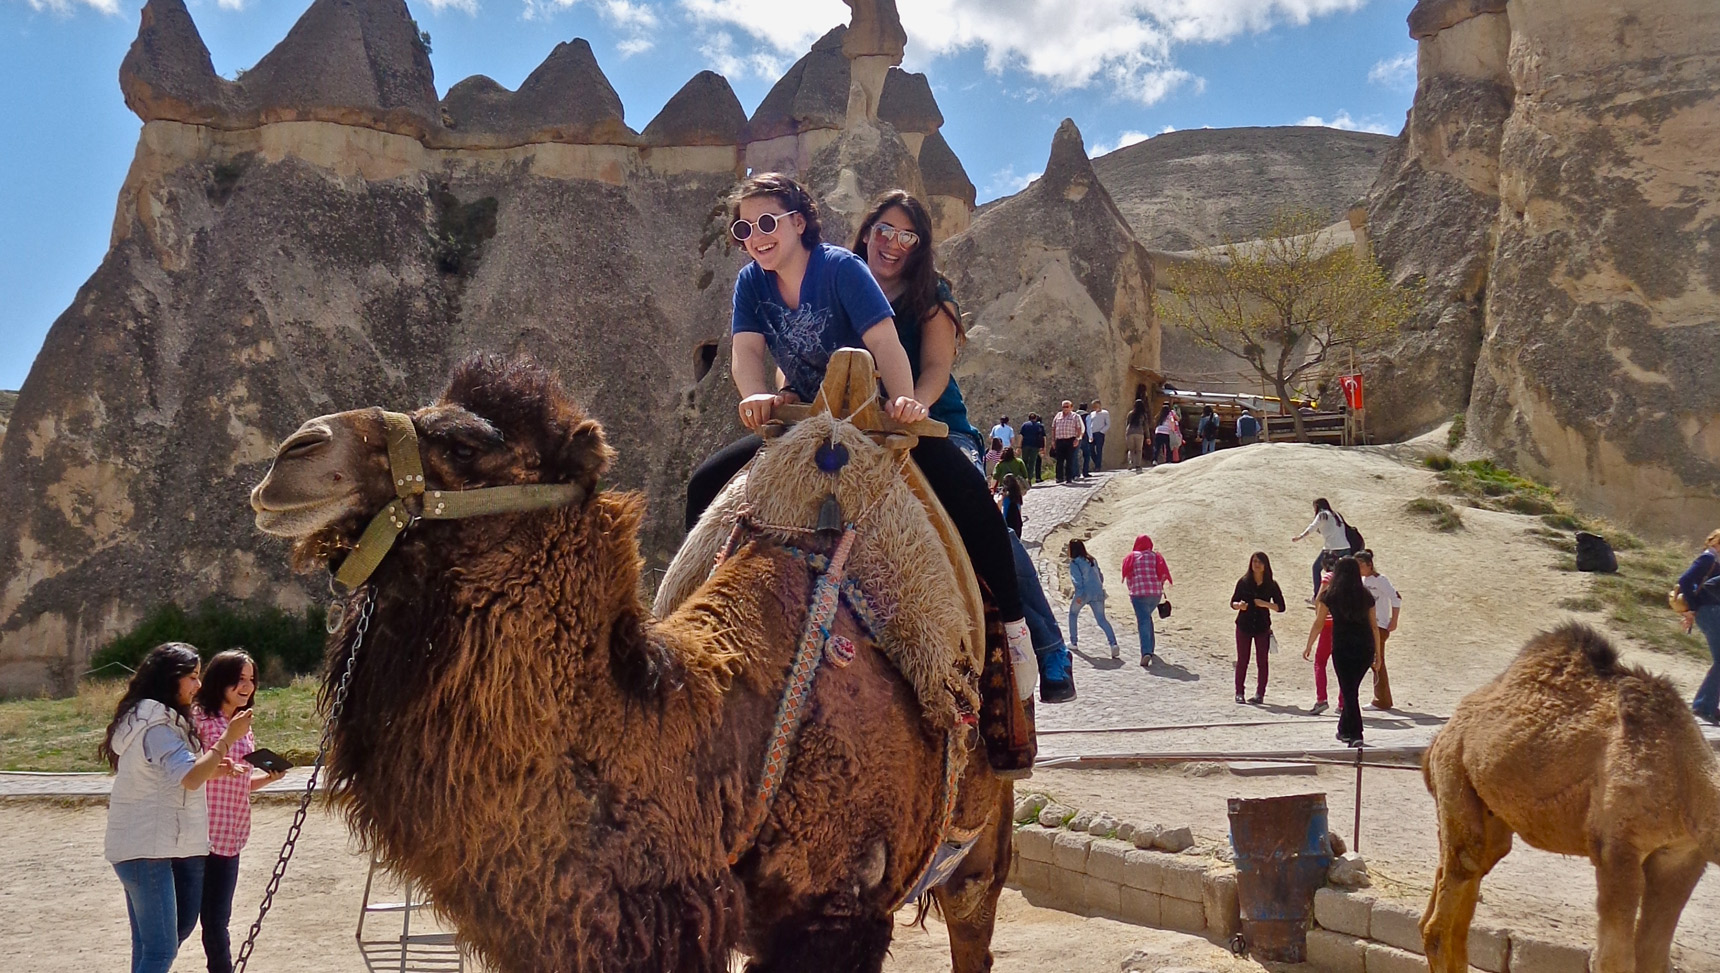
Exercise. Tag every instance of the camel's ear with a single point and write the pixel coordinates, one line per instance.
(583, 454)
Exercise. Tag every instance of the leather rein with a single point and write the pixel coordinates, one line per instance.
(413, 503)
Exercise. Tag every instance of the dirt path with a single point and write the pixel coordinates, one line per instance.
(61, 909)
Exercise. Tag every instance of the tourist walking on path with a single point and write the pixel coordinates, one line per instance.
(1012, 492)
(1008, 464)
(1066, 430)
(1700, 586)
(1323, 650)
(1004, 431)
(229, 685)
(1089, 584)
(1135, 433)
(1208, 430)
(158, 817)
(1033, 448)
(1162, 431)
(1098, 424)
(1056, 674)
(993, 456)
(1387, 603)
(1247, 429)
(1335, 539)
(1084, 445)
(1255, 599)
(1355, 639)
(1147, 576)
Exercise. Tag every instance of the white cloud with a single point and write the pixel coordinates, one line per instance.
(1127, 45)
(67, 7)
(1005, 182)
(1344, 122)
(718, 49)
(1395, 72)
(635, 21)
(1126, 139)
(464, 6)
(1168, 129)
(635, 45)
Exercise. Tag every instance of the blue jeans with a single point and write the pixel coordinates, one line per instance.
(1144, 608)
(220, 875)
(1319, 562)
(1708, 696)
(1208, 444)
(1098, 616)
(162, 899)
(1096, 450)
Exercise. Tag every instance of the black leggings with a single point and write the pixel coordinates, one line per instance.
(959, 486)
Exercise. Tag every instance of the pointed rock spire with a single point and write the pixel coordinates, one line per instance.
(347, 59)
(167, 73)
(942, 172)
(813, 94)
(704, 112)
(907, 103)
(567, 99)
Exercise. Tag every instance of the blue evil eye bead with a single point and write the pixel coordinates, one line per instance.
(831, 457)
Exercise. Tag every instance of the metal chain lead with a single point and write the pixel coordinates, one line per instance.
(335, 706)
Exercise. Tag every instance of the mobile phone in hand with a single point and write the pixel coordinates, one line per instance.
(265, 759)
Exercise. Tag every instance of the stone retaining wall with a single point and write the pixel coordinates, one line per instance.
(1353, 932)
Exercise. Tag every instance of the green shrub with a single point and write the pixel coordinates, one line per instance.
(1438, 461)
(283, 644)
(1454, 437)
(1446, 518)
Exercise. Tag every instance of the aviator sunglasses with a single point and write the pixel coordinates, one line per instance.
(767, 224)
(906, 239)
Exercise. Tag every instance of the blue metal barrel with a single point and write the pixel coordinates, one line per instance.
(1281, 858)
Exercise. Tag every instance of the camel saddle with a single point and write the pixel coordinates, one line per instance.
(849, 397)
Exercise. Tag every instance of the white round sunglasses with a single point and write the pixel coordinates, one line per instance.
(767, 224)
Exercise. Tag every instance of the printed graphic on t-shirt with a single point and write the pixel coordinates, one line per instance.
(798, 343)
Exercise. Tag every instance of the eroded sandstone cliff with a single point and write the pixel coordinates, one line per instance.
(1557, 187)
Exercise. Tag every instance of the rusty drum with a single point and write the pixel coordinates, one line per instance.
(1281, 858)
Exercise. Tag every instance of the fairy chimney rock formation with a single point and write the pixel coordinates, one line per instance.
(873, 45)
(908, 105)
(1058, 292)
(1555, 191)
(950, 194)
(704, 112)
(567, 99)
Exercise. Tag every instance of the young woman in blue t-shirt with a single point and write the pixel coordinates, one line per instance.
(797, 302)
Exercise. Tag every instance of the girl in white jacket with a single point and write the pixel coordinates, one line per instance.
(157, 829)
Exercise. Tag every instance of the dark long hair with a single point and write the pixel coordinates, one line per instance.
(221, 674)
(1265, 562)
(919, 272)
(1012, 486)
(157, 677)
(1138, 415)
(793, 197)
(1345, 596)
(1079, 549)
(1321, 503)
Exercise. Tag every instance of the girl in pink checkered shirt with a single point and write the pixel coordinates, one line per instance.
(229, 683)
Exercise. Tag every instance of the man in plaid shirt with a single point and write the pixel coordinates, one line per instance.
(1067, 429)
(1147, 576)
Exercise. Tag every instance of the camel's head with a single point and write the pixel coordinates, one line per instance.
(499, 422)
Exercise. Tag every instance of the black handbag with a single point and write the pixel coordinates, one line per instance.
(1165, 608)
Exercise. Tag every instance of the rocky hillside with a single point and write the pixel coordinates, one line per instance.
(1557, 191)
(1189, 189)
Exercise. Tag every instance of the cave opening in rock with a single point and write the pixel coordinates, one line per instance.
(704, 356)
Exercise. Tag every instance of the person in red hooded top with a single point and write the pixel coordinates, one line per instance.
(1147, 575)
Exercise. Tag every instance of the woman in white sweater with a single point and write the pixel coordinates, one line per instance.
(157, 828)
(1336, 540)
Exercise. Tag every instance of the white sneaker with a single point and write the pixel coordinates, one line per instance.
(1114, 652)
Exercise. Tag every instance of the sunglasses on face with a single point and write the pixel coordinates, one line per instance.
(906, 239)
(767, 224)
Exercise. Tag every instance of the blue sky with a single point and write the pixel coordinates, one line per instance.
(1005, 72)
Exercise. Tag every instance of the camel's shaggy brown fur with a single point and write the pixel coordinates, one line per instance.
(1580, 755)
(897, 556)
(568, 776)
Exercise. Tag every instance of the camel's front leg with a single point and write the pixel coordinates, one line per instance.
(969, 898)
(1668, 879)
(1471, 842)
(1619, 883)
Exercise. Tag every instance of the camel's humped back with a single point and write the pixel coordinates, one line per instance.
(1541, 733)
(897, 557)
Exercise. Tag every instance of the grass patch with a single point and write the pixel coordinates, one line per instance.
(1635, 598)
(1454, 436)
(1446, 518)
(62, 734)
(1438, 462)
(1583, 603)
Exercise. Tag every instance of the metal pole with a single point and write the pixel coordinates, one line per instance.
(1356, 832)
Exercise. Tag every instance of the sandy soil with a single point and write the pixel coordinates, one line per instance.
(1471, 598)
(69, 915)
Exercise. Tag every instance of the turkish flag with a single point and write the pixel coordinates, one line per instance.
(1352, 386)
